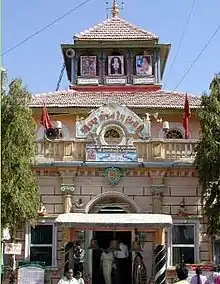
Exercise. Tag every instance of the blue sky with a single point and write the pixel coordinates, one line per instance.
(38, 61)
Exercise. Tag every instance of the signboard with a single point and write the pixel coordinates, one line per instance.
(87, 81)
(11, 248)
(143, 80)
(31, 274)
(113, 81)
(113, 113)
(111, 153)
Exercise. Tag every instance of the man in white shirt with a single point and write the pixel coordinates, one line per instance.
(68, 279)
(79, 278)
(121, 260)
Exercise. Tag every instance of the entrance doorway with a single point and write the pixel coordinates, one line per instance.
(103, 239)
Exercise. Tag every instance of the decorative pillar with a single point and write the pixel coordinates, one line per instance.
(157, 196)
(156, 181)
(160, 257)
(68, 187)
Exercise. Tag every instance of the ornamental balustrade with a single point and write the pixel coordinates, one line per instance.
(151, 150)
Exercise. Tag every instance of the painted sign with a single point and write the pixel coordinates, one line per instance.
(31, 275)
(11, 248)
(114, 81)
(111, 113)
(111, 153)
(87, 81)
(143, 80)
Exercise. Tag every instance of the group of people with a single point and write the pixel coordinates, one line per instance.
(182, 275)
(114, 265)
(72, 278)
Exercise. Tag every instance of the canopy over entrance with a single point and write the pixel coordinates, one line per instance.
(114, 221)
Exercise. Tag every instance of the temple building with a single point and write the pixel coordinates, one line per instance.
(119, 148)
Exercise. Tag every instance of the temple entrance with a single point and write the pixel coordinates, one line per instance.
(104, 239)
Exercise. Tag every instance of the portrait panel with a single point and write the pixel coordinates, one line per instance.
(116, 65)
(88, 66)
(143, 65)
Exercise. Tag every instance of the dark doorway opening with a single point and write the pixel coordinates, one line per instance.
(103, 239)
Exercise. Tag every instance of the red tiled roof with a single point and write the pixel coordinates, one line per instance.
(115, 28)
(158, 99)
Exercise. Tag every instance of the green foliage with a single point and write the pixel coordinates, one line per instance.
(19, 191)
(208, 156)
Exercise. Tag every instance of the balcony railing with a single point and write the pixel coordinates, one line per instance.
(152, 150)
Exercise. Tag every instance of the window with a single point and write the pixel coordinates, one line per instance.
(42, 244)
(183, 243)
(217, 252)
(174, 134)
(112, 136)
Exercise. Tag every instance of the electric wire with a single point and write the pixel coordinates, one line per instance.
(45, 27)
(181, 40)
(197, 58)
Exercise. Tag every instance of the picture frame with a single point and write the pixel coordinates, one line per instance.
(116, 65)
(143, 65)
(88, 66)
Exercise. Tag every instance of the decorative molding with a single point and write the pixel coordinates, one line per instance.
(67, 188)
(112, 197)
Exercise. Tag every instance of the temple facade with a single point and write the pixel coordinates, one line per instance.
(121, 149)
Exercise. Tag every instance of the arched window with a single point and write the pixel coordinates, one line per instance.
(174, 134)
(112, 137)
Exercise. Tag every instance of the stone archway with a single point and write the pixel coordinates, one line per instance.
(111, 198)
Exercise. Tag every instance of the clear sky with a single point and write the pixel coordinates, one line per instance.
(38, 61)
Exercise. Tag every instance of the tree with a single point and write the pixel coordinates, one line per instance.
(19, 190)
(208, 156)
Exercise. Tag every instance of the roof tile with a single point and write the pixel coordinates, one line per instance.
(158, 99)
(115, 28)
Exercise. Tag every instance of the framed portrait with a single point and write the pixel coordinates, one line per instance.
(88, 66)
(144, 65)
(116, 65)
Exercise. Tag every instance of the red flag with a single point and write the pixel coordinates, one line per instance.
(186, 117)
(45, 119)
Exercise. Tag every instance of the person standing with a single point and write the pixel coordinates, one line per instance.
(182, 274)
(68, 278)
(78, 277)
(139, 270)
(122, 262)
(198, 278)
(107, 263)
(78, 256)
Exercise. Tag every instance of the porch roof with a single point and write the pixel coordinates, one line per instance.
(114, 221)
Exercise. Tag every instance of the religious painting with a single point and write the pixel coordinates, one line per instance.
(116, 65)
(88, 66)
(143, 65)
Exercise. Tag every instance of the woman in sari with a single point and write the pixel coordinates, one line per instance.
(139, 270)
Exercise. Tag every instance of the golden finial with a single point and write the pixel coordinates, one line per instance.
(115, 9)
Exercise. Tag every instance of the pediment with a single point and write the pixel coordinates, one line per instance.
(113, 115)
